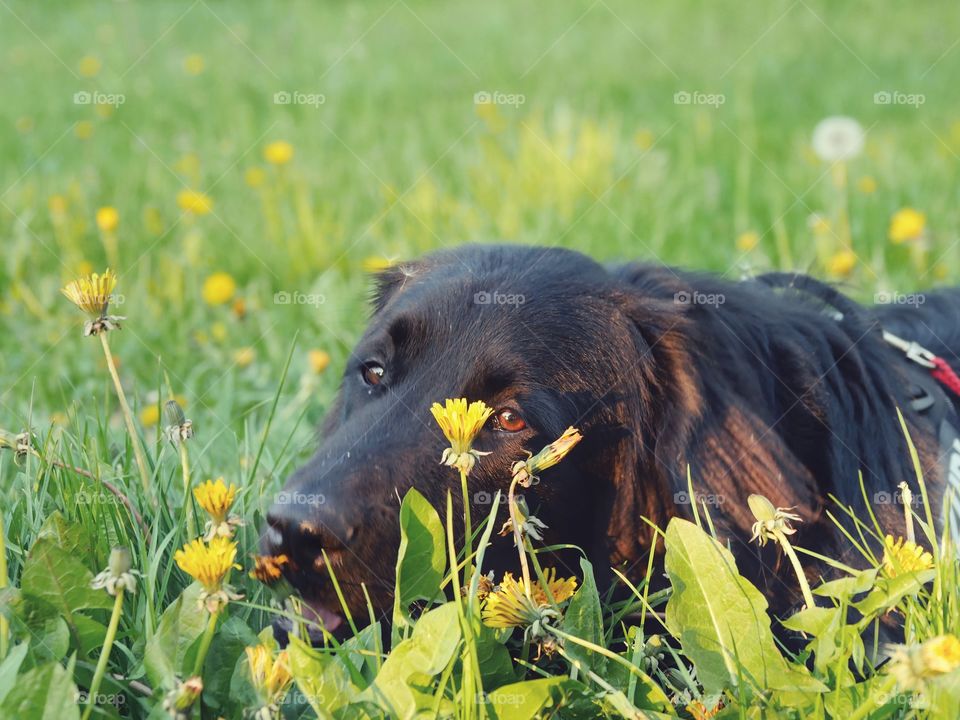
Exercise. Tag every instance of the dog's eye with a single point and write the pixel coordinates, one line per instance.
(507, 420)
(372, 373)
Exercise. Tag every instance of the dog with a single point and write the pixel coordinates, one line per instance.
(778, 385)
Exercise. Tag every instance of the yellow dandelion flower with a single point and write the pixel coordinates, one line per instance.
(279, 152)
(460, 423)
(842, 263)
(507, 605)
(57, 205)
(194, 64)
(216, 498)
(83, 130)
(244, 357)
(914, 665)
(107, 218)
(208, 563)
(270, 675)
(902, 556)
(747, 241)
(89, 66)
(867, 185)
(906, 225)
(92, 292)
(644, 139)
(218, 331)
(219, 288)
(150, 416)
(375, 264)
(319, 360)
(254, 177)
(194, 202)
(268, 569)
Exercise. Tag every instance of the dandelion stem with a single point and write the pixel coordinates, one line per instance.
(797, 568)
(873, 700)
(105, 653)
(127, 414)
(4, 622)
(517, 535)
(468, 527)
(205, 643)
(188, 501)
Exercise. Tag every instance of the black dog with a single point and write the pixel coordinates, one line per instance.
(779, 386)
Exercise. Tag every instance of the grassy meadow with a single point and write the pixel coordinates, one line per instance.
(242, 167)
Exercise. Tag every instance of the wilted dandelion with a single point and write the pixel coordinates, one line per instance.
(907, 225)
(460, 422)
(118, 576)
(216, 499)
(194, 202)
(270, 677)
(914, 665)
(279, 152)
(178, 428)
(773, 523)
(219, 288)
(209, 564)
(92, 295)
(179, 701)
(115, 579)
(526, 471)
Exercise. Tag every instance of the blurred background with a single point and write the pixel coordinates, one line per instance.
(243, 166)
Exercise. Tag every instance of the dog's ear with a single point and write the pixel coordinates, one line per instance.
(658, 405)
(390, 282)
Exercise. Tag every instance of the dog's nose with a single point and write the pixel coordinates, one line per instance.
(304, 530)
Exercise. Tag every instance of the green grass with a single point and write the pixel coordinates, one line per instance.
(396, 161)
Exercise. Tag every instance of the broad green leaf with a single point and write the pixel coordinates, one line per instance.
(45, 693)
(180, 626)
(424, 654)
(721, 619)
(845, 588)
(421, 560)
(57, 577)
(225, 650)
(10, 667)
(532, 699)
(888, 592)
(321, 677)
(496, 665)
(583, 617)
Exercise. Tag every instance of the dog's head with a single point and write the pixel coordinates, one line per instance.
(546, 337)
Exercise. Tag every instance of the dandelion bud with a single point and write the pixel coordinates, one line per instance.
(120, 560)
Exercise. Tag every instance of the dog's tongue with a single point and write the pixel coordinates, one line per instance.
(328, 618)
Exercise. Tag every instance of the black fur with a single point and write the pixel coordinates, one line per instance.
(778, 385)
